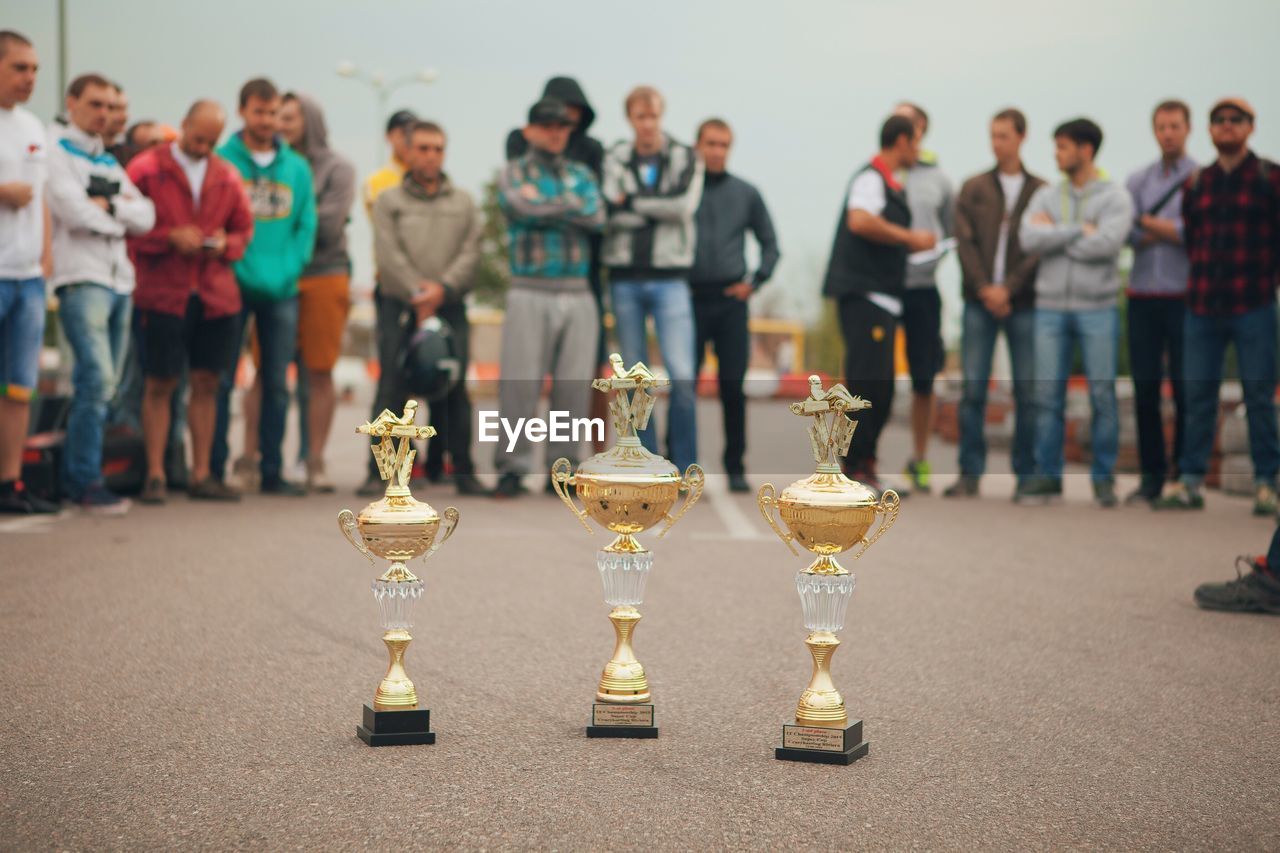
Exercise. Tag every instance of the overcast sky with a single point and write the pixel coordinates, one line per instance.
(805, 84)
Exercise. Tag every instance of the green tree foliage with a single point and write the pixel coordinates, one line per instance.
(494, 274)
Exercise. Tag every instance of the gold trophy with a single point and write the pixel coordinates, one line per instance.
(626, 490)
(828, 514)
(397, 528)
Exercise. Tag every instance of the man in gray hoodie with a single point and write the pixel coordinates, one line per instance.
(324, 289)
(1078, 227)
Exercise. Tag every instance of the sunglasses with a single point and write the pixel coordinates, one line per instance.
(1234, 118)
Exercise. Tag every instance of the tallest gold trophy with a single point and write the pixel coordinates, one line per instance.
(828, 514)
(626, 489)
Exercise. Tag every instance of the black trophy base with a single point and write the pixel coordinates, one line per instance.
(821, 745)
(634, 721)
(396, 728)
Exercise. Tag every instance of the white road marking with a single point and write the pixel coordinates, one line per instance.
(736, 522)
(30, 523)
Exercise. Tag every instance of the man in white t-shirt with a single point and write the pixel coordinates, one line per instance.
(23, 238)
(999, 294)
(867, 277)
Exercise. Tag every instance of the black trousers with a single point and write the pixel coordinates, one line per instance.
(451, 417)
(868, 332)
(1155, 338)
(721, 321)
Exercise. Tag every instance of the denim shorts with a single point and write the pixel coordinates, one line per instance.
(22, 314)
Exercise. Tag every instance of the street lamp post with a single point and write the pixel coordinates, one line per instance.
(382, 89)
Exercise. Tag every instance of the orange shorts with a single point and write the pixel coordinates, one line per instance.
(323, 302)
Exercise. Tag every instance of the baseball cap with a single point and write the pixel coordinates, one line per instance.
(400, 119)
(550, 111)
(1233, 103)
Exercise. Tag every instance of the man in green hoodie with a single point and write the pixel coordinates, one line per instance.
(279, 183)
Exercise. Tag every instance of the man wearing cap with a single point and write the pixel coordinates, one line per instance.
(390, 175)
(1231, 228)
(553, 207)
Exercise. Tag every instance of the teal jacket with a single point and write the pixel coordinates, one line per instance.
(284, 220)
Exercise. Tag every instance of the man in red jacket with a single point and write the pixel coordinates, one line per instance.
(187, 299)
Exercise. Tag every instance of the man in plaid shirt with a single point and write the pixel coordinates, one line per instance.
(1231, 214)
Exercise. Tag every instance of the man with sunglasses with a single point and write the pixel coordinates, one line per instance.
(1231, 228)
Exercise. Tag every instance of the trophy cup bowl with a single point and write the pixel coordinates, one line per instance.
(828, 514)
(626, 489)
(399, 528)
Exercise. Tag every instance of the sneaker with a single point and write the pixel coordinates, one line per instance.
(283, 488)
(738, 483)
(1104, 492)
(373, 487)
(509, 486)
(917, 473)
(1258, 591)
(1180, 496)
(318, 480)
(965, 486)
(99, 500)
(212, 489)
(1039, 491)
(1146, 493)
(246, 473)
(468, 485)
(1264, 500)
(154, 492)
(14, 498)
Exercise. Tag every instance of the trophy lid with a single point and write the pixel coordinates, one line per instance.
(831, 489)
(630, 408)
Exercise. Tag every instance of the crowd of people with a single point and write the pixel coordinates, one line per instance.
(169, 251)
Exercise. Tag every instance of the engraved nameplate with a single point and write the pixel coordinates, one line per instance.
(621, 715)
(813, 737)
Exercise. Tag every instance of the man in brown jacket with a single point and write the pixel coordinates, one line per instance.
(427, 246)
(999, 293)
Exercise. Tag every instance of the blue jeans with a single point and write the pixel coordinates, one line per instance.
(977, 347)
(1057, 333)
(1204, 344)
(277, 326)
(669, 302)
(95, 320)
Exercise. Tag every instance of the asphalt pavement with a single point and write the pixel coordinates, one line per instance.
(1030, 678)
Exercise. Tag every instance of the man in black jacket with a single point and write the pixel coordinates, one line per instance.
(721, 287)
(867, 277)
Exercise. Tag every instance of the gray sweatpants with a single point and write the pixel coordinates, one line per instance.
(545, 332)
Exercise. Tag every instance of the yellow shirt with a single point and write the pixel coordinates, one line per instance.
(384, 179)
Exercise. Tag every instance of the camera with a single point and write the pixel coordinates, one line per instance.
(100, 187)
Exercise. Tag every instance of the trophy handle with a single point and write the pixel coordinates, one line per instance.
(694, 480)
(767, 502)
(561, 479)
(347, 524)
(889, 503)
(449, 523)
